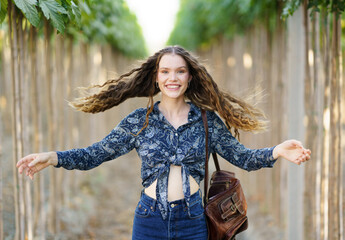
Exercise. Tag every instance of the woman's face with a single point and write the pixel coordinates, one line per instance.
(173, 76)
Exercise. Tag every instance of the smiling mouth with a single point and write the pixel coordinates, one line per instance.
(173, 87)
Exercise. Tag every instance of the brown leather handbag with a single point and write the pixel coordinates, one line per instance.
(224, 203)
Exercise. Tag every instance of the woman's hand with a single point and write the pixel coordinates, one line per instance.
(293, 151)
(34, 163)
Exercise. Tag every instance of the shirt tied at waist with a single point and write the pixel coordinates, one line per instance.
(162, 189)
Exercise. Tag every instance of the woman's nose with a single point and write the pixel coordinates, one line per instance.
(173, 76)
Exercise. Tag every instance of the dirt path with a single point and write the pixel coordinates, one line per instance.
(261, 227)
(113, 216)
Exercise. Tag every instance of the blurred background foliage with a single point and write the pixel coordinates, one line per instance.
(335, 6)
(200, 23)
(112, 22)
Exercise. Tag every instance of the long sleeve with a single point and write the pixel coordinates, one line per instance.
(228, 147)
(119, 142)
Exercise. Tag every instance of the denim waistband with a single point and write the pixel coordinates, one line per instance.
(195, 197)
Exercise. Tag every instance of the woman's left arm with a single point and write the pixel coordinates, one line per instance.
(228, 147)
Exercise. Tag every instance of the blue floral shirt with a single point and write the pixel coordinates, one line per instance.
(161, 145)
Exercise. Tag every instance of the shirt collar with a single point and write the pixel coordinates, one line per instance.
(193, 115)
(194, 112)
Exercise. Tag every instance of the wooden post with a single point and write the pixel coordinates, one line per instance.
(295, 84)
(52, 220)
(19, 234)
(1, 183)
(334, 144)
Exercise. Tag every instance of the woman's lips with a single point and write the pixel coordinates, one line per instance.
(172, 86)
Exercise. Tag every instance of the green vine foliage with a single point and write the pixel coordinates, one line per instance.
(331, 6)
(58, 12)
(202, 22)
(92, 21)
(112, 22)
(3, 10)
(290, 6)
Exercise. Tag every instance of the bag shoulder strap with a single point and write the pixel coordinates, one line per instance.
(214, 155)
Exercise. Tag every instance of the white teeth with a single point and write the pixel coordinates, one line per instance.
(173, 86)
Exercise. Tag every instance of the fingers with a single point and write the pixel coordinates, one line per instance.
(30, 173)
(22, 166)
(27, 164)
(308, 152)
(26, 160)
(33, 163)
(304, 157)
(304, 153)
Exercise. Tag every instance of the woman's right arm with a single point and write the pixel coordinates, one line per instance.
(119, 142)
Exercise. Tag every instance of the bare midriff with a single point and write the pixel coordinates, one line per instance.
(175, 190)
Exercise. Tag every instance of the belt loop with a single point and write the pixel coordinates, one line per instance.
(188, 210)
(188, 206)
(151, 202)
(200, 193)
(153, 207)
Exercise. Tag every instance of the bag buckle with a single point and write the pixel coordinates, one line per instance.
(229, 206)
(238, 203)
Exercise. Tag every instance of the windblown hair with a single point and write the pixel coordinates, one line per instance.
(202, 91)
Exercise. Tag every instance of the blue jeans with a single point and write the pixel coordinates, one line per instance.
(149, 224)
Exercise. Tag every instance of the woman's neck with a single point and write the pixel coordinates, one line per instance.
(175, 112)
(173, 107)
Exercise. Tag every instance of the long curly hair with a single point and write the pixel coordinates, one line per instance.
(202, 91)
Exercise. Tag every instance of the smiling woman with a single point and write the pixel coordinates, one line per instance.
(173, 77)
(169, 137)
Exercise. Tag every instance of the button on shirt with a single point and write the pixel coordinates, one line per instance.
(160, 145)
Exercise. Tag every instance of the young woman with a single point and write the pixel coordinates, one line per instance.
(169, 137)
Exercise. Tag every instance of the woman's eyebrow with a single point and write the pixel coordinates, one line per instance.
(176, 68)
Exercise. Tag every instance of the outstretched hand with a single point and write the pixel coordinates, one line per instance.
(34, 163)
(293, 151)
